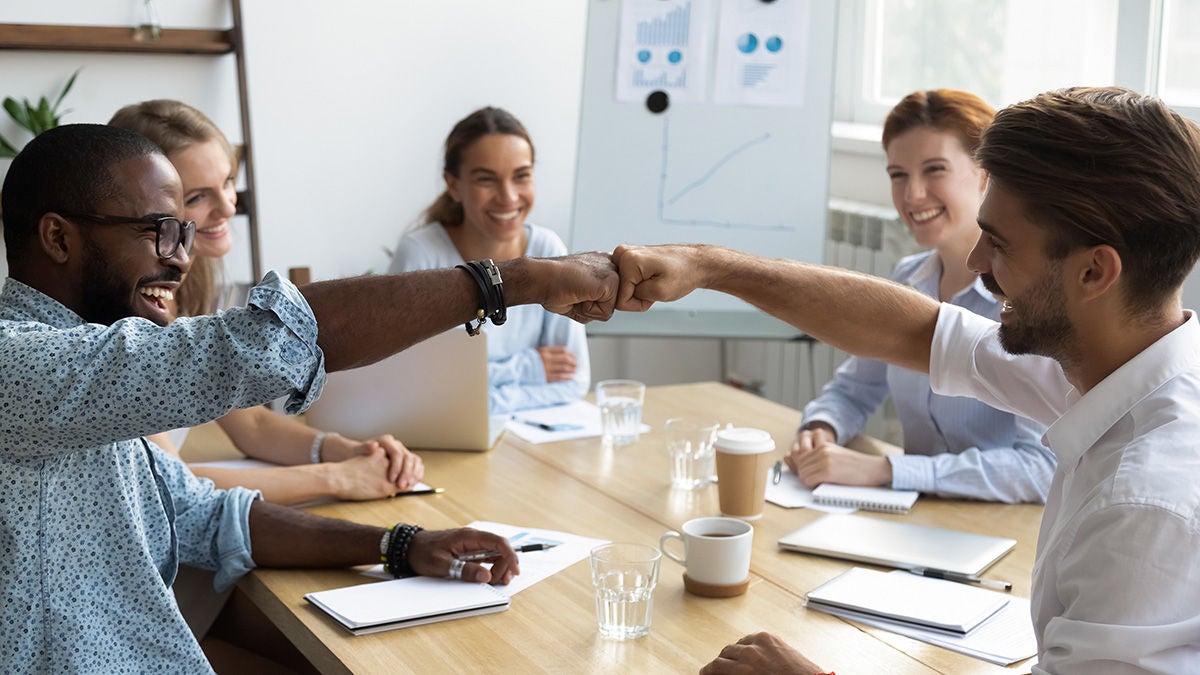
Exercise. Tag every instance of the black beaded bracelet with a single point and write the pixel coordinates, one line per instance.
(397, 553)
(491, 294)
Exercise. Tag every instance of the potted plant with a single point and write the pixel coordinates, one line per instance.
(34, 118)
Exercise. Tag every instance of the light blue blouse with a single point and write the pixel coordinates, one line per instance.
(516, 376)
(954, 447)
(94, 521)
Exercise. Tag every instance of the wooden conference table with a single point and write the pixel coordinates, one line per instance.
(623, 494)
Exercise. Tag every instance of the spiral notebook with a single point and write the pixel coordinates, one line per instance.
(869, 498)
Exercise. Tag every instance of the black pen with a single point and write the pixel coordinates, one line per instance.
(961, 578)
(484, 555)
(558, 426)
(413, 493)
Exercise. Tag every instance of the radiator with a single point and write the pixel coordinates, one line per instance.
(862, 237)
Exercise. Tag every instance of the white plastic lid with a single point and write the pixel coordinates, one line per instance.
(744, 441)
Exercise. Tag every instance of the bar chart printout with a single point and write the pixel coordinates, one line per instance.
(663, 47)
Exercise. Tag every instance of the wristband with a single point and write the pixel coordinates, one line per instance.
(384, 543)
(396, 559)
(314, 453)
(491, 294)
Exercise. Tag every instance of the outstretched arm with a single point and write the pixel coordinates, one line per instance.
(861, 314)
(365, 319)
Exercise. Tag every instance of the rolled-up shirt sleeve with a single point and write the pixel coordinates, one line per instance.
(212, 525)
(89, 385)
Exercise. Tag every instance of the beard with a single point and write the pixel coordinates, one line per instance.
(1039, 323)
(106, 297)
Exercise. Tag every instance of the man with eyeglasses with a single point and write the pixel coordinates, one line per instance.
(94, 520)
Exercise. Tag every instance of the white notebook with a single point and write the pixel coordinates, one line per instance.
(870, 498)
(1003, 638)
(900, 596)
(401, 603)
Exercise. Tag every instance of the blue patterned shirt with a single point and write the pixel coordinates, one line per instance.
(94, 521)
(954, 446)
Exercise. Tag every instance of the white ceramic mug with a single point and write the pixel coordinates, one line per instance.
(716, 550)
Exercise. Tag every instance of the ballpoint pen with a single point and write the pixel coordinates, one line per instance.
(961, 578)
(556, 426)
(484, 555)
(413, 493)
(777, 472)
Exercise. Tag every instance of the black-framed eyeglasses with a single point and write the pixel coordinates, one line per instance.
(170, 233)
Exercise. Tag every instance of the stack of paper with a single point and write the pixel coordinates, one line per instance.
(565, 422)
(981, 623)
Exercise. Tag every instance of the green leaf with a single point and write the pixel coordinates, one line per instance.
(67, 88)
(17, 112)
(43, 116)
(7, 151)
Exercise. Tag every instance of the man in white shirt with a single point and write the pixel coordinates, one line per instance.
(1090, 224)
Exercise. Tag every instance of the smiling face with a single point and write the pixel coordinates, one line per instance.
(121, 274)
(496, 189)
(936, 186)
(209, 194)
(1012, 262)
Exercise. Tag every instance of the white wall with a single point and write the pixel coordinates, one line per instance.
(350, 102)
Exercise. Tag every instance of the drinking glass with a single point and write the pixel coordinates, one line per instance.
(624, 576)
(690, 447)
(620, 404)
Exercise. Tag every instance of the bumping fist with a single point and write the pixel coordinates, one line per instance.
(581, 286)
(651, 274)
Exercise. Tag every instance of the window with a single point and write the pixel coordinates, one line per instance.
(1179, 78)
(1009, 50)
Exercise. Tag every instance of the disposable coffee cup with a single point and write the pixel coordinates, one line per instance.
(743, 457)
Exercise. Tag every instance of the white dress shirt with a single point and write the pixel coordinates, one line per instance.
(1116, 581)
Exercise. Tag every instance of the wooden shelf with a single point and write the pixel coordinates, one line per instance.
(114, 39)
(129, 40)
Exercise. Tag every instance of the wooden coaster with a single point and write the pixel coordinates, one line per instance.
(714, 591)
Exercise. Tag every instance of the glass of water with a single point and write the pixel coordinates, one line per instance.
(690, 447)
(624, 576)
(620, 404)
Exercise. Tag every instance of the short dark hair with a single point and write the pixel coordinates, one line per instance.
(63, 169)
(1105, 165)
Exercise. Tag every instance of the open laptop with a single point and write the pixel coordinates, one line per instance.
(431, 396)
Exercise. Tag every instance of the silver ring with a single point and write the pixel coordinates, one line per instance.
(456, 568)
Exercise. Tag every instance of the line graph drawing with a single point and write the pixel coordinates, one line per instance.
(704, 179)
(716, 167)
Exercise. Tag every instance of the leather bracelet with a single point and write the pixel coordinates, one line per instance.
(499, 313)
(491, 294)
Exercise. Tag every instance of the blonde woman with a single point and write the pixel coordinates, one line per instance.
(315, 464)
